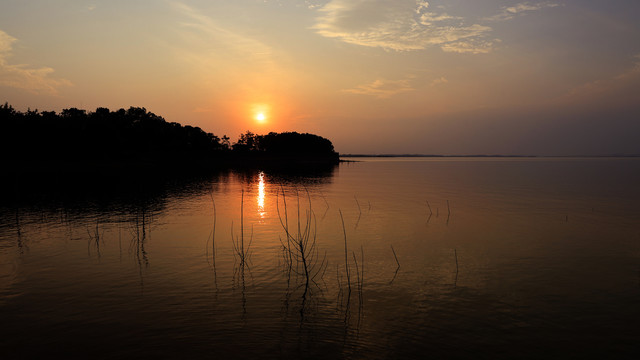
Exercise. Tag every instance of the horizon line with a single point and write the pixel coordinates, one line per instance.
(493, 155)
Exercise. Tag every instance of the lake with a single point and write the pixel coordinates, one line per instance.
(401, 258)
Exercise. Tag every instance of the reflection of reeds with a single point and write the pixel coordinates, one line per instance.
(20, 241)
(455, 252)
(139, 238)
(18, 230)
(95, 239)
(326, 203)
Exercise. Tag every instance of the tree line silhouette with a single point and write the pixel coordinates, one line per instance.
(138, 136)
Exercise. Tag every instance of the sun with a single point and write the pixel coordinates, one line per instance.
(260, 113)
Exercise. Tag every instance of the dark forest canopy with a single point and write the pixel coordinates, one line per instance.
(138, 136)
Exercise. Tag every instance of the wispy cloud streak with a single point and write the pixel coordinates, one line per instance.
(510, 12)
(382, 88)
(623, 88)
(211, 38)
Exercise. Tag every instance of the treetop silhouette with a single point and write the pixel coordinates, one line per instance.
(137, 135)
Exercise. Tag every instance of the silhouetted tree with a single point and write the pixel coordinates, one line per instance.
(226, 144)
(139, 136)
(246, 142)
(6, 110)
(295, 143)
(73, 113)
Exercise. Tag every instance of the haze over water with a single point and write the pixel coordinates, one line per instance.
(498, 258)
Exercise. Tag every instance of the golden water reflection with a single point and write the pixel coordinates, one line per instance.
(261, 211)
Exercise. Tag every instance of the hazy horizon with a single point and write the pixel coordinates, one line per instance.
(375, 77)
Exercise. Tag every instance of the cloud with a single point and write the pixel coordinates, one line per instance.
(620, 90)
(314, 4)
(381, 88)
(399, 25)
(6, 42)
(208, 41)
(428, 18)
(510, 12)
(442, 80)
(21, 76)
(522, 7)
(422, 5)
(474, 46)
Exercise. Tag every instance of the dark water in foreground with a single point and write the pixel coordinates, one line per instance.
(530, 258)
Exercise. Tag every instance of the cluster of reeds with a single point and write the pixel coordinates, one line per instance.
(300, 250)
(242, 254)
(241, 251)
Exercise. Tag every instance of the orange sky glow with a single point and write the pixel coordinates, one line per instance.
(374, 76)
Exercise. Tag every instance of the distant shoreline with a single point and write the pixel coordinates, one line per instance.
(483, 156)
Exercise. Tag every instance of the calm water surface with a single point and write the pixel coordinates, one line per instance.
(456, 258)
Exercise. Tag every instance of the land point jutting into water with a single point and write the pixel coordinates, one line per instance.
(136, 138)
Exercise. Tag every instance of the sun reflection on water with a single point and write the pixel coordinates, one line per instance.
(261, 211)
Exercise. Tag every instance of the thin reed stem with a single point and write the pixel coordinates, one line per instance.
(395, 256)
(346, 258)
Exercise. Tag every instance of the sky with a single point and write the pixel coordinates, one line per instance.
(453, 77)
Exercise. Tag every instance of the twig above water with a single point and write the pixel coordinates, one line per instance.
(395, 256)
